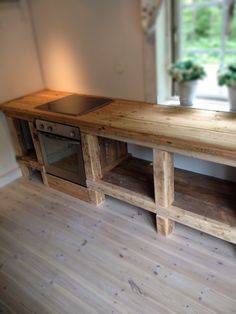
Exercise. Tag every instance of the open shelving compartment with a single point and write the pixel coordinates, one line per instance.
(202, 202)
(131, 181)
(28, 152)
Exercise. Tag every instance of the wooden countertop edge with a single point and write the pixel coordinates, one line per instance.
(171, 143)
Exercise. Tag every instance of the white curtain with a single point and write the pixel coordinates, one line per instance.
(149, 13)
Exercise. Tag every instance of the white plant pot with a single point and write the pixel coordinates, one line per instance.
(232, 97)
(187, 92)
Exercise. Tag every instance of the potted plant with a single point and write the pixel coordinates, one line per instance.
(228, 77)
(187, 73)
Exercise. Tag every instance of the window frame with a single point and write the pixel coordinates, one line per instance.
(168, 32)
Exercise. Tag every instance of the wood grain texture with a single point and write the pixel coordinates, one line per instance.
(130, 181)
(68, 187)
(92, 164)
(163, 167)
(200, 201)
(209, 135)
(165, 226)
(163, 171)
(35, 139)
(30, 161)
(133, 174)
(18, 144)
(123, 194)
(111, 151)
(204, 203)
(16, 136)
(61, 255)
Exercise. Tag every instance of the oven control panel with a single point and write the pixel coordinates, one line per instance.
(58, 129)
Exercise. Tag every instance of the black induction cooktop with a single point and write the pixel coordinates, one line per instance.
(75, 104)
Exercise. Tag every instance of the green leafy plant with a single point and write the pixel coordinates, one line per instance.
(187, 70)
(228, 75)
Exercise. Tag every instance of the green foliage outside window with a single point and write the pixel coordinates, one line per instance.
(202, 27)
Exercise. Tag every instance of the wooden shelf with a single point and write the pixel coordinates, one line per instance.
(134, 175)
(131, 181)
(205, 203)
(30, 161)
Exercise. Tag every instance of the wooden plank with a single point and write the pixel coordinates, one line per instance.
(207, 196)
(123, 194)
(111, 151)
(222, 157)
(36, 142)
(133, 174)
(114, 163)
(204, 203)
(30, 162)
(92, 164)
(203, 134)
(16, 137)
(15, 132)
(163, 168)
(67, 187)
(38, 150)
(199, 222)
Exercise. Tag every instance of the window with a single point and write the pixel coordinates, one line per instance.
(202, 30)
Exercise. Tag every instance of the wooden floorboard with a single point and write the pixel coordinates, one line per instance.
(62, 255)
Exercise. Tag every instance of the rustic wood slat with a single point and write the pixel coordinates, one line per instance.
(163, 171)
(123, 194)
(30, 161)
(198, 200)
(92, 163)
(68, 187)
(202, 134)
(17, 141)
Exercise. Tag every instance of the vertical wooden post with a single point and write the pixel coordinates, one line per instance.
(164, 187)
(92, 163)
(38, 151)
(18, 143)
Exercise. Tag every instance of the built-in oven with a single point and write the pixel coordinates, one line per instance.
(62, 151)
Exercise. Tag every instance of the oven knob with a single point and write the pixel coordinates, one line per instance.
(41, 126)
(49, 128)
(72, 134)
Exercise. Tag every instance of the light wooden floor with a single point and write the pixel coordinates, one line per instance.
(61, 255)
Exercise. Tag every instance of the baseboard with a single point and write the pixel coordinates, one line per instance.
(10, 176)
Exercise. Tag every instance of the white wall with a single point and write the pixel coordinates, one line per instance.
(91, 46)
(95, 47)
(19, 73)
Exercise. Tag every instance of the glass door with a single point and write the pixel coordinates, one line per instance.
(63, 158)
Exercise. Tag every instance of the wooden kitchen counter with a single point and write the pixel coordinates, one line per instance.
(208, 135)
(201, 202)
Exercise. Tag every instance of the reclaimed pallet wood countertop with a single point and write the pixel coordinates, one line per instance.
(204, 134)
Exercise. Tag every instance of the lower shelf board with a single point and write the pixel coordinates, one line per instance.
(30, 161)
(123, 194)
(67, 187)
(202, 202)
(130, 181)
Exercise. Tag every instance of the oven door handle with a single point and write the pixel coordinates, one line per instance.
(60, 138)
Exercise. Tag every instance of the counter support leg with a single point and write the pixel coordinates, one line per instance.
(18, 143)
(163, 166)
(92, 163)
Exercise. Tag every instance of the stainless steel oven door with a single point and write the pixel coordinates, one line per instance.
(63, 157)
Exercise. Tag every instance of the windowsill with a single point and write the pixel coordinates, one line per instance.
(200, 103)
